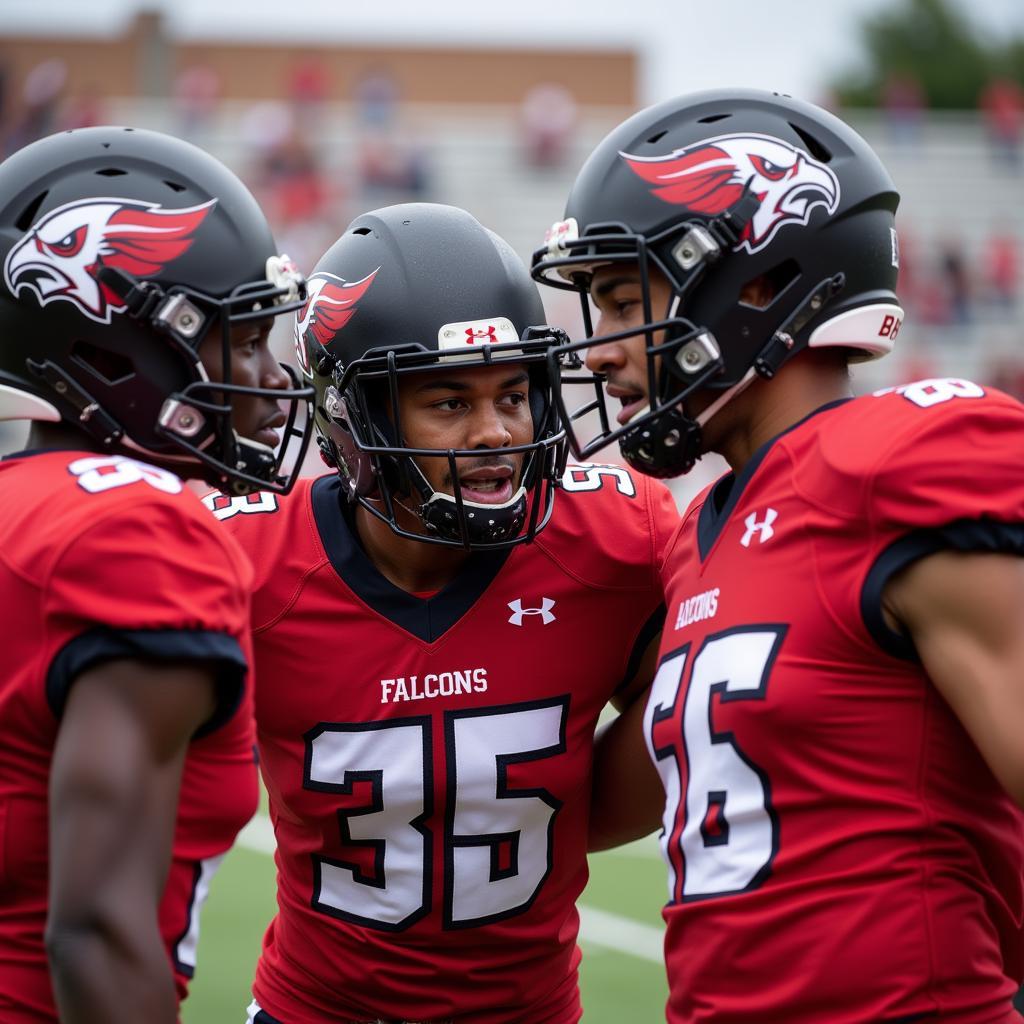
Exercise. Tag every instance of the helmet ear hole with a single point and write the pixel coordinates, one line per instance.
(109, 367)
(761, 291)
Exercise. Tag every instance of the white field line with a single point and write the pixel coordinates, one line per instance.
(597, 927)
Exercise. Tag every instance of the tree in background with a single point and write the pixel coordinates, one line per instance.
(936, 45)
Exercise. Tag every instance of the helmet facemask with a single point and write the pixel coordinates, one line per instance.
(198, 418)
(367, 440)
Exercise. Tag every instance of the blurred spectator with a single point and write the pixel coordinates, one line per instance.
(84, 110)
(376, 98)
(548, 120)
(1002, 268)
(308, 88)
(41, 94)
(5, 91)
(393, 166)
(1002, 104)
(909, 284)
(955, 282)
(392, 169)
(903, 103)
(287, 178)
(196, 92)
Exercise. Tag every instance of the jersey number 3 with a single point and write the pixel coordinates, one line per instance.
(497, 844)
(720, 833)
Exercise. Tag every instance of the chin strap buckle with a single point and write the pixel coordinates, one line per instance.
(727, 229)
(140, 297)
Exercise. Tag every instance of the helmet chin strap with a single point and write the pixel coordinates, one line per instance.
(726, 396)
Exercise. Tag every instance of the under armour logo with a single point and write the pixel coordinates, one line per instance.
(544, 611)
(487, 337)
(764, 528)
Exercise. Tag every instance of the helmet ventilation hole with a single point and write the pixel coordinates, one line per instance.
(712, 118)
(361, 231)
(174, 186)
(814, 147)
(111, 172)
(28, 215)
(656, 136)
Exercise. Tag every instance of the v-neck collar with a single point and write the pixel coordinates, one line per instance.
(725, 494)
(428, 619)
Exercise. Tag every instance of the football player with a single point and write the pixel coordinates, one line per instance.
(837, 711)
(139, 282)
(434, 638)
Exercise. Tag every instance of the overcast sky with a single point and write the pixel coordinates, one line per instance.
(790, 45)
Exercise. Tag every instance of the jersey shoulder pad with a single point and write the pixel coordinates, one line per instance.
(277, 533)
(610, 526)
(920, 455)
(153, 564)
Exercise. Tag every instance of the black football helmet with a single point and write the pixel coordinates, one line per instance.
(121, 250)
(418, 287)
(715, 190)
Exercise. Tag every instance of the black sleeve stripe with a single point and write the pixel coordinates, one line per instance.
(648, 631)
(977, 535)
(94, 647)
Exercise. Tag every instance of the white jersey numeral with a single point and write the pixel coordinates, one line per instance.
(591, 476)
(101, 473)
(926, 393)
(720, 834)
(224, 506)
(497, 841)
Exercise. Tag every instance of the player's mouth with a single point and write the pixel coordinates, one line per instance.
(268, 432)
(487, 485)
(633, 402)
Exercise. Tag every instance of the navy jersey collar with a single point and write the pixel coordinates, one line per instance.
(725, 494)
(427, 619)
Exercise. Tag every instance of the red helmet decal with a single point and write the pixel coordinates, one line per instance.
(486, 336)
(60, 255)
(330, 305)
(710, 176)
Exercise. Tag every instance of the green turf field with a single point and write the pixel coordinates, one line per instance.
(622, 976)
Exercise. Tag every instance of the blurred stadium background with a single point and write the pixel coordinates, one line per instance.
(326, 111)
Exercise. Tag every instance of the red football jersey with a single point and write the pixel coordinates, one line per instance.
(105, 557)
(428, 760)
(838, 850)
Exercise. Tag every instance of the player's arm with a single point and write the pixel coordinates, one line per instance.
(626, 796)
(114, 785)
(965, 613)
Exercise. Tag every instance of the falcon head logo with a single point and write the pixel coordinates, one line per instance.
(330, 305)
(712, 175)
(61, 255)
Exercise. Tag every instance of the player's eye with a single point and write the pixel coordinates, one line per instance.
(773, 172)
(449, 404)
(70, 245)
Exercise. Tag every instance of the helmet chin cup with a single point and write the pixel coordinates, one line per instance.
(664, 447)
(478, 524)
